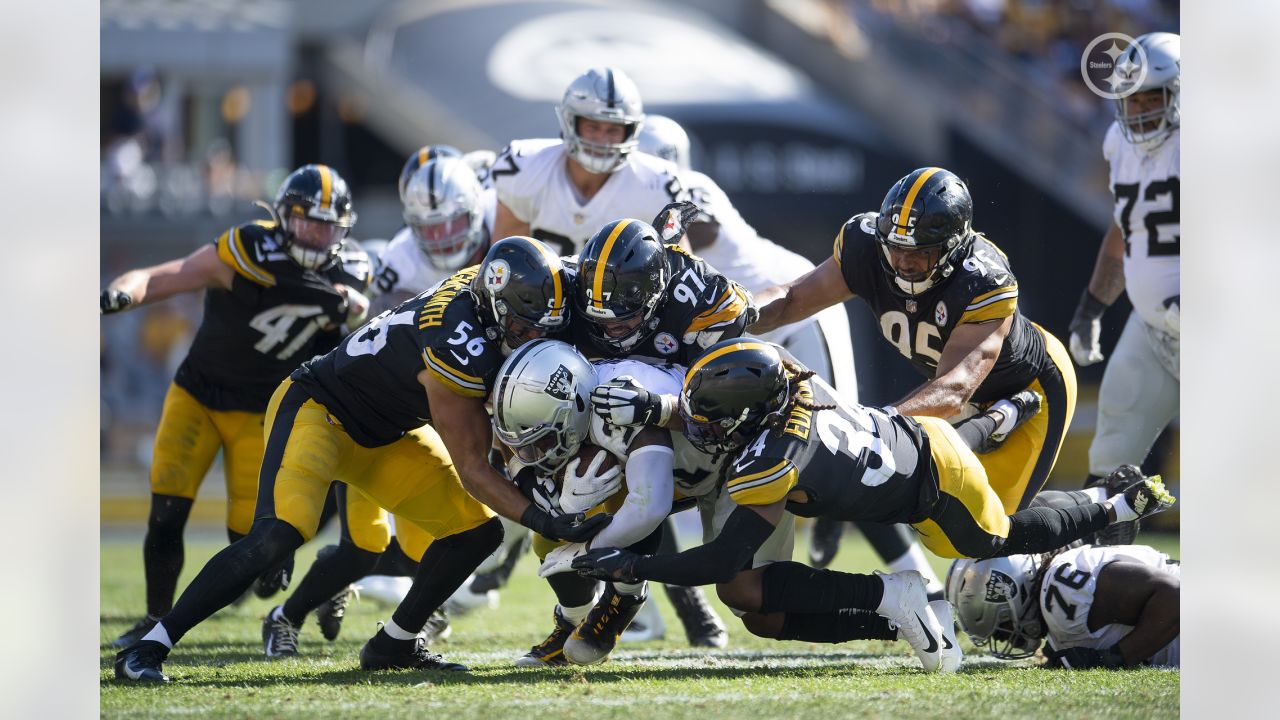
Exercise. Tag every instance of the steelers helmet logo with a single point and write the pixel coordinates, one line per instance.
(665, 343)
(497, 275)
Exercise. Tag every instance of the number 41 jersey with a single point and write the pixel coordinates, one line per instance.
(275, 315)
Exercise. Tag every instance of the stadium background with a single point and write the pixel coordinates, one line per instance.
(805, 111)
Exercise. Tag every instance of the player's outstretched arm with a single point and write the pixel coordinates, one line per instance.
(197, 271)
(966, 360)
(1134, 594)
(803, 297)
(506, 224)
(1105, 286)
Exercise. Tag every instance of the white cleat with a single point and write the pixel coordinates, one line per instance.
(952, 655)
(906, 605)
(385, 588)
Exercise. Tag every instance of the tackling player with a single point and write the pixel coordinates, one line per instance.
(1140, 255)
(277, 293)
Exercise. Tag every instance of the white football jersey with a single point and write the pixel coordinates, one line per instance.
(696, 473)
(531, 179)
(1146, 192)
(1066, 597)
(403, 266)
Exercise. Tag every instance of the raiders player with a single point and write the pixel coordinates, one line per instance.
(746, 398)
(721, 237)
(1096, 606)
(1140, 256)
(362, 414)
(947, 300)
(563, 191)
(277, 293)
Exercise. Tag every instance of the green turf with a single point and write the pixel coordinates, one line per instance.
(219, 671)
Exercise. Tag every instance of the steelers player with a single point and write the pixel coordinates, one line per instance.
(277, 293)
(749, 399)
(946, 299)
(363, 414)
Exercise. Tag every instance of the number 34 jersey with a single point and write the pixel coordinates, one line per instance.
(275, 315)
(369, 383)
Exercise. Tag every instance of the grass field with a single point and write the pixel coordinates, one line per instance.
(218, 669)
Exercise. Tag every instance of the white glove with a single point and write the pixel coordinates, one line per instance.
(561, 559)
(580, 493)
(1173, 315)
(1086, 343)
(357, 306)
(624, 403)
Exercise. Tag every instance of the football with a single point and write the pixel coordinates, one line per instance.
(586, 454)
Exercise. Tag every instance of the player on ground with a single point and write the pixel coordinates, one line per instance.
(1096, 606)
(1140, 255)
(775, 419)
(277, 293)
(360, 414)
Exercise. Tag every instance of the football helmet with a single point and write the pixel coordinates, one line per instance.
(422, 156)
(928, 212)
(662, 136)
(731, 392)
(1164, 65)
(607, 95)
(314, 210)
(622, 283)
(541, 403)
(997, 603)
(520, 292)
(444, 211)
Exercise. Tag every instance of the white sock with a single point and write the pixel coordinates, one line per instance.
(631, 589)
(1010, 413)
(577, 614)
(914, 559)
(1124, 512)
(277, 613)
(397, 632)
(160, 635)
(1096, 494)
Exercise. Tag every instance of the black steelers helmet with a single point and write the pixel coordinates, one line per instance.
(521, 291)
(730, 392)
(315, 193)
(622, 282)
(422, 156)
(928, 211)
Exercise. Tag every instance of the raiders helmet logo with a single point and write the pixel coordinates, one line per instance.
(999, 587)
(560, 387)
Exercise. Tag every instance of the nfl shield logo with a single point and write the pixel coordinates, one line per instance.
(665, 343)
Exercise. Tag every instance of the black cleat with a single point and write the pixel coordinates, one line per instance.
(596, 637)
(414, 657)
(279, 637)
(702, 626)
(332, 611)
(1028, 403)
(1148, 496)
(824, 541)
(1121, 533)
(271, 582)
(135, 633)
(141, 661)
(549, 651)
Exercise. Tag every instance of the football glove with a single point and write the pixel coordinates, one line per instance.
(541, 490)
(571, 527)
(672, 220)
(581, 492)
(1083, 658)
(113, 301)
(608, 564)
(1086, 330)
(624, 403)
(1173, 315)
(560, 560)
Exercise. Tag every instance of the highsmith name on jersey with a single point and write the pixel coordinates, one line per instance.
(531, 179)
(981, 288)
(369, 383)
(275, 315)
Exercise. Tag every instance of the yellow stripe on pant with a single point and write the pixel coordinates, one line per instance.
(962, 480)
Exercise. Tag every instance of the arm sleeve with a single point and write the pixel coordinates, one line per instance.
(649, 490)
(717, 561)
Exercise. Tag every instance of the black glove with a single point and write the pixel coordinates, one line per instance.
(608, 564)
(624, 403)
(1082, 658)
(672, 220)
(1086, 330)
(575, 527)
(113, 301)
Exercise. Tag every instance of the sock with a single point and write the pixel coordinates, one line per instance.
(162, 550)
(160, 635)
(794, 588)
(635, 590)
(1124, 511)
(1041, 529)
(577, 613)
(914, 559)
(975, 430)
(444, 566)
(837, 627)
(336, 567)
(1095, 494)
(1010, 413)
(396, 632)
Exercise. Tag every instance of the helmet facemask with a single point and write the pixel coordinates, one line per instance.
(541, 405)
(603, 95)
(313, 209)
(442, 208)
(1149, 129)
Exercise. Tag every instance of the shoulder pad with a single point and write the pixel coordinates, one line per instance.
(456, 350)
(759, 479)
(251, 251)
(987, 287)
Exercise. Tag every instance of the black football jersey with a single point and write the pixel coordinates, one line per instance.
(275, 315)
(981, 288)
(369, 382)
(701, 308)
(853, 462)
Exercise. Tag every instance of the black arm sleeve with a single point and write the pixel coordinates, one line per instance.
(717, 561)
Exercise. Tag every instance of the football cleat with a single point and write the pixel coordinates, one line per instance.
(952, 655)
(136, 633)
(824, 541)
(905, 604)
(1120, 533)
(702, 626)
(279, 636)
(1027, 404)
(437, 627)
(647, 625)
(414, 657)
(271, 582)
(141, 661)
(551, 650)
(593, 640)
(331, 612)
(1148, 496)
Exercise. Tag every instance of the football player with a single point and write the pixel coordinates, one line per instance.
(1108, 607)
(563, 191)
(1140, 256)
(363, 414)
(947, 300)
(721, 237)
(276, 293)
(775, 419)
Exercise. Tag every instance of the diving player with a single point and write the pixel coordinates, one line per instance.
(277, 293)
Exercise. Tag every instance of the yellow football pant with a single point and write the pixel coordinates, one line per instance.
(969, 511)
(368, 526)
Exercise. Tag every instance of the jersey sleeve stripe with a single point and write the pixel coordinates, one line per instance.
(765, 491)
(231, 251)
(730, 305)
(994, 296)
(456, 373)
(764, 476)
(597, 282)
(837, 248)
(991, 311)
(744, 345)
(460, 383)
(905, 215)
